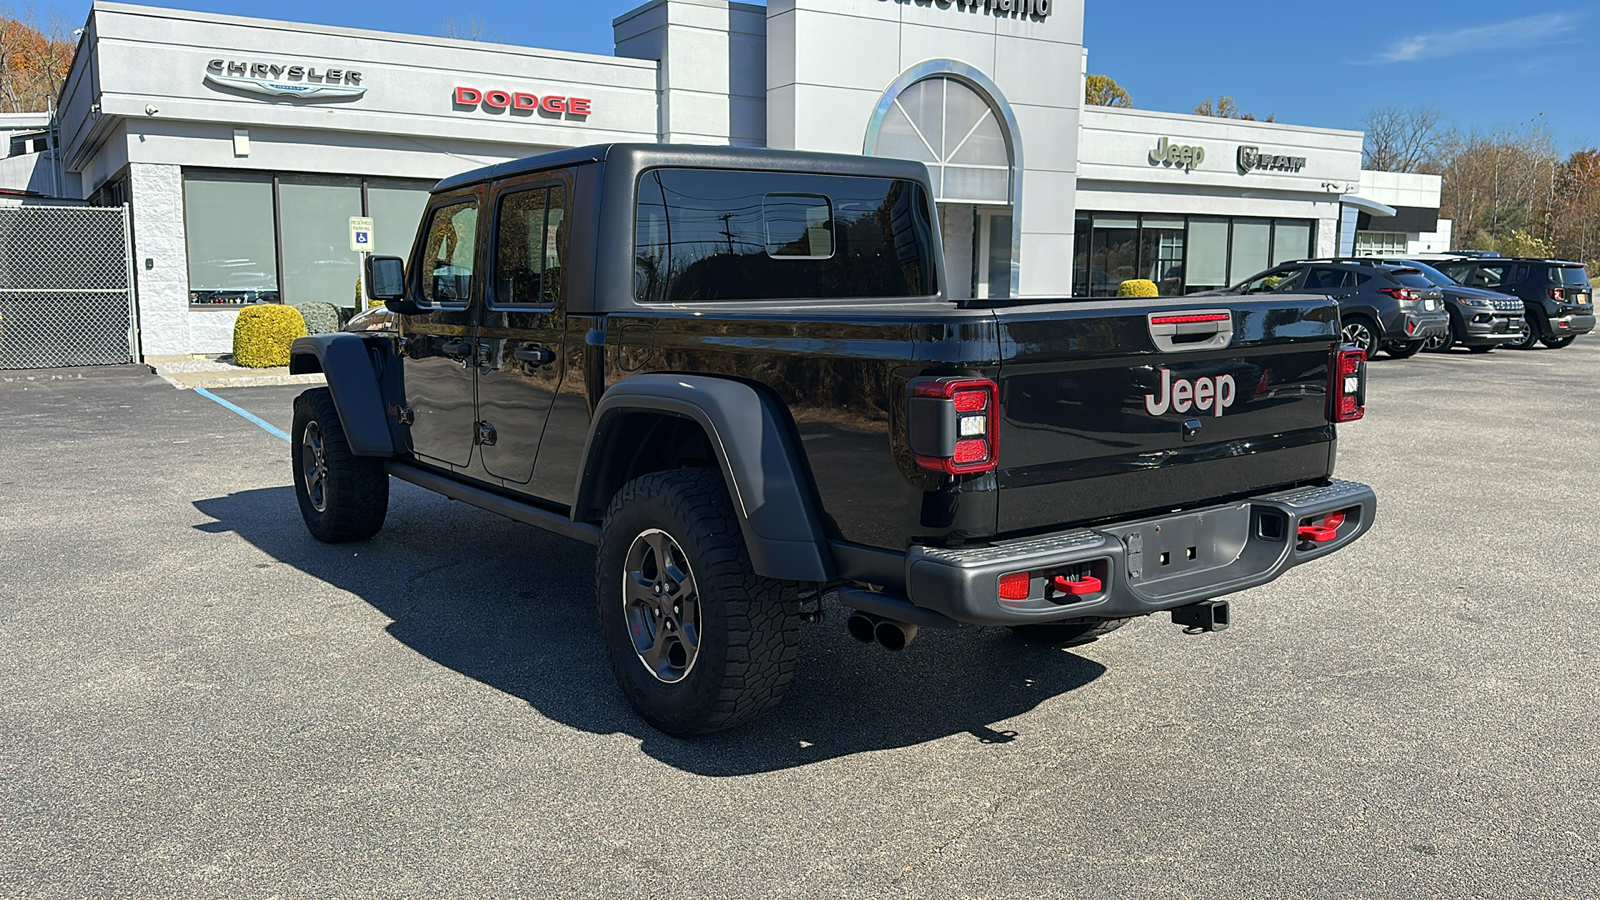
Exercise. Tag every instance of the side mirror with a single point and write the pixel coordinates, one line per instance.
(386, 282)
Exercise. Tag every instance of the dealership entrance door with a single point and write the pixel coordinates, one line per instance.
(66, 287)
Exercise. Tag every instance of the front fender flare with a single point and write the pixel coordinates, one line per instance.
(765, 471)
(353, 381)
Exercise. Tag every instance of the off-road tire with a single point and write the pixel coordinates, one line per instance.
(354, 489)
(1556, 343)
(749, 625)
(1404, 350)
(1060, 633)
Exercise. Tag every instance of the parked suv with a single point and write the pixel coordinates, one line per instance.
(1558, 299)
(1480, 319)
(1381, 306)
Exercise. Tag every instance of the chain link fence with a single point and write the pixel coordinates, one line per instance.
(66, 287)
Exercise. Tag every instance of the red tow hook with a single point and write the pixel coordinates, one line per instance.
(1088, 584)
(1323, 533)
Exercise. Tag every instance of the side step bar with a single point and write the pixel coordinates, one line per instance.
(510, 507)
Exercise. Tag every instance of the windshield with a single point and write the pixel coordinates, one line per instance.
(1439, 278)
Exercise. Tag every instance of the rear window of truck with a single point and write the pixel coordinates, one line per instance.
(704, 235)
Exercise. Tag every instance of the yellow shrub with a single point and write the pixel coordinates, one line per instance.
(1138, 287)
(262, 336)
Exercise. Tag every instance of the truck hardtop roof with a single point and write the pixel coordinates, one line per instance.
(643, 156)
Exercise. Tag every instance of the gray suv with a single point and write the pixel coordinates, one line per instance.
(1381, 306)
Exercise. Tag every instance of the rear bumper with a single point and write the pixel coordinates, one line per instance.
(1144, 566)
(1404, 327)
(1573, 324)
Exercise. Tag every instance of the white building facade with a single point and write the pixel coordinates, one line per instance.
(244, 146)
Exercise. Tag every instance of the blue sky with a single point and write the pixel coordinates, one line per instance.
(1482, 64)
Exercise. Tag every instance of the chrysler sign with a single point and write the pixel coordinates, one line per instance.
(283, 80)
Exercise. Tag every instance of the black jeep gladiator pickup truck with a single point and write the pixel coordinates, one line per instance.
(739, 374)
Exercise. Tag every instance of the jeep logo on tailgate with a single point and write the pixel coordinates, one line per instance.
(1215, 394)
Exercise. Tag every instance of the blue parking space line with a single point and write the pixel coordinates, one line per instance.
(266, 426)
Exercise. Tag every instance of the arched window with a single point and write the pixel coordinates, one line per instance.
(947, 125)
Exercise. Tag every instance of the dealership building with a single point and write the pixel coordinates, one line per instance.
(244, 146)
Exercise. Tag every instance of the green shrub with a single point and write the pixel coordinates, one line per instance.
(262, 335)
(321, 318)
(1138, 287)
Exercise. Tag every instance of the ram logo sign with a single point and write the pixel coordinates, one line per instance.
(1203, 394)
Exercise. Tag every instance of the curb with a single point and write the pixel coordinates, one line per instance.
(212, 379)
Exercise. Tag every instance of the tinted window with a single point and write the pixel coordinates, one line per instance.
(1273, 280)
(718, 235)
(447, 253)
(530, 238)
(1411, 278)
(1460, 272)
(1491, 276)
(1435, 276)
(1324, 279)
(1571, 276)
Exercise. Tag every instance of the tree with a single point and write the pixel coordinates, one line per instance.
(471, 28)
(1101, 90)
(1402, 140)
(33, 62)
(1498, 182)
(1225, 107)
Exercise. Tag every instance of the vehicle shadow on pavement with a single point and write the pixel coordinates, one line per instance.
(512, 607)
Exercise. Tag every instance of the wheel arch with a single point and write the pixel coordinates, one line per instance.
(355, 383)
(653, 422)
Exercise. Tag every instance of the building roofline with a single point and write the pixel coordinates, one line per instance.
(716, 4)
(1252, 123)
(159, 12)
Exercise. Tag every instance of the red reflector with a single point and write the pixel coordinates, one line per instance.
(1186, 319)
(1014, 586)
(970, 452)
(1088, 584)
(970, 401)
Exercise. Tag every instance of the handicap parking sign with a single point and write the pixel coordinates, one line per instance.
(361, 234)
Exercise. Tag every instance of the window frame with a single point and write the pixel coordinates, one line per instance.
(542, 181)
(474, 285)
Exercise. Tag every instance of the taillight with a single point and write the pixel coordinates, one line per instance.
(1406, 295)
(1349, 388)
(953, 424)
(1558, 294)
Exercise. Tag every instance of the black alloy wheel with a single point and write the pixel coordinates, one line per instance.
(1528, 340)
(1556, 343)
(342, 497)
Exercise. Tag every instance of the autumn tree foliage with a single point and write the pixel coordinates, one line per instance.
(1225, 107)
(33, 62)
(1102, 90)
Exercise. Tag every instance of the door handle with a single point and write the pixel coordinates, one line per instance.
(535, 356)
(456, 350)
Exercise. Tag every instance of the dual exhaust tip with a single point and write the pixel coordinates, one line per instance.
(888, 633)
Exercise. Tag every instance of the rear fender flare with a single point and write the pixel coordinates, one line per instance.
(764, 469)
(354, 383)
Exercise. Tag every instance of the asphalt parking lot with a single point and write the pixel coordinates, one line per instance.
(200, 700)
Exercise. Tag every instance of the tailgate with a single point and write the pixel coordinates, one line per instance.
(1107, 413)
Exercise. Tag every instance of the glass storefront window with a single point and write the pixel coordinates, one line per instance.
(1161, 254)
(1181, 254)
(227, 219)
(1252, 245)
(395, 207)
(1291, 240)
(317, 262)
(1208, 255)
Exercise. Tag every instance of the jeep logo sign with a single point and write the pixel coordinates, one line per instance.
(1214, 394)
(1179, 156)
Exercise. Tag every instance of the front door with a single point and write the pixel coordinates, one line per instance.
(520, 334)
(440, 355)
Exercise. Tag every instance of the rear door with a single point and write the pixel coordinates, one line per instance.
(1103, 416)
(520, 334)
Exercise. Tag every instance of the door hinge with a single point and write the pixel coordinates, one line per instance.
(486, 434)
(402, 414)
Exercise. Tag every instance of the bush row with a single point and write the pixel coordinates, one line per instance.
(262, 334)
